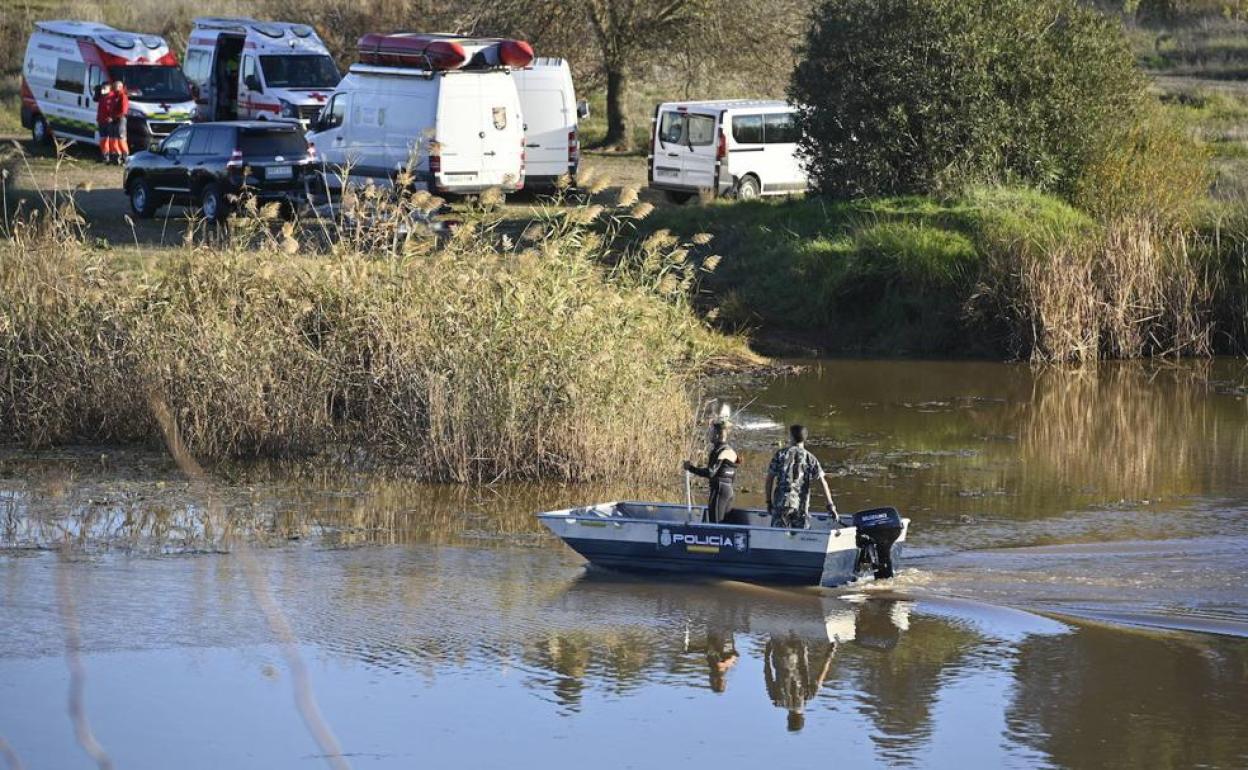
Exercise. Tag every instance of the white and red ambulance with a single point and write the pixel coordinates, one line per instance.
(265, 70)
(67, 61)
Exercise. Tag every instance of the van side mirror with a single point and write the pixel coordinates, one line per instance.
(582, 109)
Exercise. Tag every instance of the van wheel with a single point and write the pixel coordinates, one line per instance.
(40, 134)
(142, 198)
(212, 203)
(679, 198)
(749, 188)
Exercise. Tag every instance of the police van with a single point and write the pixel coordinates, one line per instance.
(743, 148)
(264, 70)
(551, 114)
(441, 108)
(67, 62)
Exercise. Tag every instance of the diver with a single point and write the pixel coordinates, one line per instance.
(788, 483)
(720, 471)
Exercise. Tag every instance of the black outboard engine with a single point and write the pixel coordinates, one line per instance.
(878, 529)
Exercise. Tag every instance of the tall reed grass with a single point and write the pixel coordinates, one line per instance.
(482, 357)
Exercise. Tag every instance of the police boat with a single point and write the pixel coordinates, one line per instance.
(673, 538)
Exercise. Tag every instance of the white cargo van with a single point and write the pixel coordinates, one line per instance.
(744, 148)
(551, 111)
(262, 70)
(456, 129)
(67, 61)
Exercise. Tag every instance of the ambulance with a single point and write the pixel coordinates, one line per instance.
(243, 69)
(66, 63)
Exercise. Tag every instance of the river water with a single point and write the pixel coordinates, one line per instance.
(1074, 594)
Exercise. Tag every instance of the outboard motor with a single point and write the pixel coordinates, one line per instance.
(878, 529)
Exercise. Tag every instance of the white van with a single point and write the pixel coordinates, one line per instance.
(67, 61)
(456, 130)
(744, 148)
(551, 111)
(262, 70)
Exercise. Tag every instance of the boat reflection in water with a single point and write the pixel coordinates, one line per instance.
(851, 651)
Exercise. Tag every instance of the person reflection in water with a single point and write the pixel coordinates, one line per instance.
(721, 655)
(792, 677)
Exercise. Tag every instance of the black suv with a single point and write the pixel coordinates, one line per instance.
(203, 163)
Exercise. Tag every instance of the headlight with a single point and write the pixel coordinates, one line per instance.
(288, 110)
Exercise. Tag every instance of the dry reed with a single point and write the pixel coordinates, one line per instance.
(1130, 288)
(473, 359)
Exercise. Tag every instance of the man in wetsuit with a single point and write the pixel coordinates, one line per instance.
(720, 471)
(789, 477)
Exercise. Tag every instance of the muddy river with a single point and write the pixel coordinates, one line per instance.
(1074, 594)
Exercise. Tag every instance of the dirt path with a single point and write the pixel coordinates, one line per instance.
(97, 190)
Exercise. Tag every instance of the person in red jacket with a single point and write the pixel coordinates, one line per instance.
(104, 122)
(121, 108)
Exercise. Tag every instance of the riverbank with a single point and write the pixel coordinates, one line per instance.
(997, 273)
(479, 358)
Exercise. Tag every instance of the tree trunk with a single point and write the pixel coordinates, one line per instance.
(617, 117)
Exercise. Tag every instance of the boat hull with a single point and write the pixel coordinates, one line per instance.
(610, 536)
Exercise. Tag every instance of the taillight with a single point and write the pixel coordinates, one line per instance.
(435, 162)
(236, 159)
(573, 147)
(721, 152)
(311, 150)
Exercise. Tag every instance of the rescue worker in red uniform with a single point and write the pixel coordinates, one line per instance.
(103, 122)
(121, 110)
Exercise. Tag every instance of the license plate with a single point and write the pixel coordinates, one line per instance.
(279, 172)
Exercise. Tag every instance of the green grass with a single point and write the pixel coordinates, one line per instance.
(881, 277)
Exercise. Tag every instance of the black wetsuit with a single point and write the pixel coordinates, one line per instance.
(720, 472)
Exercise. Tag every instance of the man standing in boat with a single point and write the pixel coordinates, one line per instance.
(789, 477)
(720, 471)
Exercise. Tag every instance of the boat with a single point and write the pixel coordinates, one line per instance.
(437, 51)
(673, 538)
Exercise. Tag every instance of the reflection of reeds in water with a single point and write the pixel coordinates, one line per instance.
(1127, 430)
(146, 511)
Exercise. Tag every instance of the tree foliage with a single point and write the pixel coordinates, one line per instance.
(917, 96)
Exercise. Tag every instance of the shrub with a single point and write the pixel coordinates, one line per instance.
(1152, 169)
(916, 96)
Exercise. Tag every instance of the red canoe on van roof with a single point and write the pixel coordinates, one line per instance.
(442, 52)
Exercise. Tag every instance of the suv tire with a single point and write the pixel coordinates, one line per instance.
(142, 198)
(212, 203)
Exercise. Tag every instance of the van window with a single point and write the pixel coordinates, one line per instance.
(672, 127)
(196, 66)
(70, 75)
(747, 129)
(300, 71)
(336, 111)
(95, 79)
(701, 130)
(780, 129)
(250, 78)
